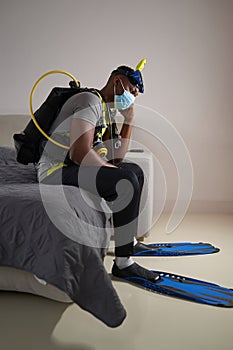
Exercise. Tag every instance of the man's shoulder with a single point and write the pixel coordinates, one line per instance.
(87, 97)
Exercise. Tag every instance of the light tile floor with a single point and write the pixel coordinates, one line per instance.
(153, 322)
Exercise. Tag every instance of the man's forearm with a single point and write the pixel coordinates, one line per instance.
(91, 158)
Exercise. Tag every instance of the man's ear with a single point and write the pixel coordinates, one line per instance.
(116, 81)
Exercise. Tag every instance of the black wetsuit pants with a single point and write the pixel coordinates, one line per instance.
(121, 187)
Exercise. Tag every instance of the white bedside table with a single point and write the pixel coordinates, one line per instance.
(144, 159)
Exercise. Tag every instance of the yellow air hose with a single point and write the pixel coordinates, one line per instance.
(31, 108)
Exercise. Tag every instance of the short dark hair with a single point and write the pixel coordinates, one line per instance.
(122, 70)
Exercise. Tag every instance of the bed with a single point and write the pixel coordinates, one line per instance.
(54, 247)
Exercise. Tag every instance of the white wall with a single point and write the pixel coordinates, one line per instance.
(188, 77)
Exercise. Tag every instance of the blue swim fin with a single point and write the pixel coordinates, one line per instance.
(186, 288)
(174, 249)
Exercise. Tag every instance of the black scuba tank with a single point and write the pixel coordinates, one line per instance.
(27, 143)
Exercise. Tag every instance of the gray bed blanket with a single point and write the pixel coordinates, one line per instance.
(55, 233)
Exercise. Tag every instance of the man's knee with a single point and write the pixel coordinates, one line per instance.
(132, 177)
(136, 170)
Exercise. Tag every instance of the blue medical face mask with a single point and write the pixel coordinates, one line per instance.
(125, 100)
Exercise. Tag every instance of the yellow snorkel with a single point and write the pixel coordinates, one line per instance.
(141, 65)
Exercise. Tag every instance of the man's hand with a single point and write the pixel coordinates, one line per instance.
(128, 114)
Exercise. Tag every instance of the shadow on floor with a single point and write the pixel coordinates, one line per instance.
(27, 322)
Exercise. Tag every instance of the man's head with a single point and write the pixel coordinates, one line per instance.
(134, 76)
(124, 83)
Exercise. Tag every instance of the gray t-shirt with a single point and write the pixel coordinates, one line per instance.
(86, 106)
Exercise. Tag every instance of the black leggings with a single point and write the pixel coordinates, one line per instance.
(121, 187)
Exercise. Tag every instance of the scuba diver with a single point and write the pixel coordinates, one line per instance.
(94, 161)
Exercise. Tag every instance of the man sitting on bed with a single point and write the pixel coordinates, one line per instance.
(94, 161)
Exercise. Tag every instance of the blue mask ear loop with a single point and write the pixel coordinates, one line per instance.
(114, 92)
(114, 99)
(122, 85)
